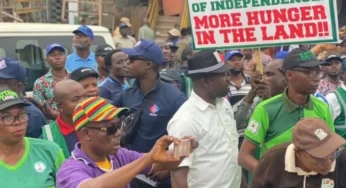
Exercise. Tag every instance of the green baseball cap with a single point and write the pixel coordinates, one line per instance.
(9, 98)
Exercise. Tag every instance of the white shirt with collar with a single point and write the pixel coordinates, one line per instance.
(334, 104)
(214, 163)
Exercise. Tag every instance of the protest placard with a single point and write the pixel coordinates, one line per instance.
(220, 24)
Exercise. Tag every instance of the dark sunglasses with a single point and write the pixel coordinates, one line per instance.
(109, 130)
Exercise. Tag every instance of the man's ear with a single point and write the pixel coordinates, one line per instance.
(85, 133)
(59, 104)
(148, 65)
(205, 82)
(288, 75)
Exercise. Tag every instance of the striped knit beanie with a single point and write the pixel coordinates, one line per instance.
(94, 109)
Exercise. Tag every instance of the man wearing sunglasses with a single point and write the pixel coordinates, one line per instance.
(98, 158)
(309, 161)
(156, 100)
(272, 121)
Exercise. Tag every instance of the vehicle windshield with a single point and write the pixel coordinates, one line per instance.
(31, 53)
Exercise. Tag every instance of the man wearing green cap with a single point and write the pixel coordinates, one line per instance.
(98, 158)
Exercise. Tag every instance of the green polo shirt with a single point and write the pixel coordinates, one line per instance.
(272, 121)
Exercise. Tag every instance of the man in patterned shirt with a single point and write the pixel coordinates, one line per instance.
(333, 72)
(43, 87)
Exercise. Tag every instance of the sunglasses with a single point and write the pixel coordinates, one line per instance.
(109, 130)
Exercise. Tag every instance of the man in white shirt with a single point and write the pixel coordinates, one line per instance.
(208, 116)
(337, 105)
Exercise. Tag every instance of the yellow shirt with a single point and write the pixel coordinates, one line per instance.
(105, 165)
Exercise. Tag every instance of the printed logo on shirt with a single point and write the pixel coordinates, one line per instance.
(228, 112)
(254, 126)
(153, 110)
(327, 183)
(40, 167)
(320, 134)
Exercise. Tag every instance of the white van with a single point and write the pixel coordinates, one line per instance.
(27, 43)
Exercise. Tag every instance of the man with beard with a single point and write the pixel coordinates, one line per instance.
(43, 87)
(332, 71)
(99, 161)
(116, 62)
(208, 116)
(83, 57)
(157, 101)
(239, 84)
(272, 121)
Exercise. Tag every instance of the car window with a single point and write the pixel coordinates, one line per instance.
(31, 52)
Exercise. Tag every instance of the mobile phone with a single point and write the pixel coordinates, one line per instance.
(183, 149)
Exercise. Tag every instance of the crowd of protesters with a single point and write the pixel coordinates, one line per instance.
(111, 118)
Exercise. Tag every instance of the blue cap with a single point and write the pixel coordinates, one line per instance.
(12, 69)
(147, 49)
(123, 25)
(53, 46)
(231, 53)
(281, 55)
(85, 30)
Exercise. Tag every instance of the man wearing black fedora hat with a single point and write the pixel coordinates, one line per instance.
(208, 116)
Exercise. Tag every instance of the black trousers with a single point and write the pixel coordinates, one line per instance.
(136, 183)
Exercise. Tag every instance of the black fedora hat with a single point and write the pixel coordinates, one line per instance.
(207, 62)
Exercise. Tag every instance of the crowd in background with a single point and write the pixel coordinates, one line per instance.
(99, 119)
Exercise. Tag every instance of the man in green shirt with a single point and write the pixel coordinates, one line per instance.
(145, 32)
(272, 121)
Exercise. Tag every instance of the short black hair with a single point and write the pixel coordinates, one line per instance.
(108, 57)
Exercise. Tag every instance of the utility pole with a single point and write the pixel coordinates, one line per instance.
(1, 9)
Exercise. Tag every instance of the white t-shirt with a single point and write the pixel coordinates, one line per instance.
(214, 163)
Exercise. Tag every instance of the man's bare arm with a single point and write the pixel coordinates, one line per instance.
(246, 157)
(179, 177)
